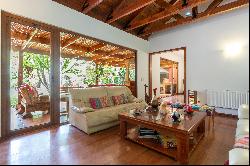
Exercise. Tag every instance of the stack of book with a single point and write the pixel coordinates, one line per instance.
(167, 142)
(147, 133)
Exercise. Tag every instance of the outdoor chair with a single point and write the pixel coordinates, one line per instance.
(31, 101)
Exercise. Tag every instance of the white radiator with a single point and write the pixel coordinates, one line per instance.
(227, 99)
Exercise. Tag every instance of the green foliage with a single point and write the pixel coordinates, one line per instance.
(36, 69)
(13, 102)
(74, 72)
(132, 74)
(111, 75)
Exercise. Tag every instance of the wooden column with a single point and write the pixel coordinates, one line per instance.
(127, 80)
(20, 73)
(97, 75)
(55, 78)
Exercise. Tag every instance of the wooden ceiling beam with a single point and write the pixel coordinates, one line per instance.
(42, 52)
(127, 9)
(21, 36)
(194, 12)
(201, 16)
(213, 5)
(103, 53)
(172, 10)
(28, 40)
(96, 47)
(135, 15)
(88, 5)
(69, 42)
(173, 2)
(178, 16)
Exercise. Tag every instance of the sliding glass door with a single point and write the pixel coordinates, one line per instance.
(28, 75)
(41, 63)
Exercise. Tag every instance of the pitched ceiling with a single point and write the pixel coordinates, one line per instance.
(145, 17)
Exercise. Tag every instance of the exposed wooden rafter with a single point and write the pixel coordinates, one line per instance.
(213, 5)
(96, 47)
(143, 17)
(126, 9)
(200, 16)
(173, 2)
(25, 44)
(88, 5)
(172, 10)
(194, 12)
(70, 42)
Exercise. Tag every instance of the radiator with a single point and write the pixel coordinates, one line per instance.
(227, 99)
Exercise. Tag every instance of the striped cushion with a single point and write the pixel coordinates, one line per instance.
(98, 103)
(121, 99)
(104, 101)
(242, 142)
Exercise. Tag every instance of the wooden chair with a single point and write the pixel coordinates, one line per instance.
(31, 101)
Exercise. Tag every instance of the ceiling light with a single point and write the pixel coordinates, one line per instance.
(188, 14)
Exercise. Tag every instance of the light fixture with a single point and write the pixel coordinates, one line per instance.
(232, 49)
(188, 14)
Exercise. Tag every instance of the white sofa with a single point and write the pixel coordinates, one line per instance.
(91, 121)
(239, 156)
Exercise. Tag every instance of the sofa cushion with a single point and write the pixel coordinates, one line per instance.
(238, 156)
(98, 103)
(242, 127)
(242, 142)
(80, 96)
(110, 114)
(120, 99)
(82, 110)
(243, 112)
(118, 90)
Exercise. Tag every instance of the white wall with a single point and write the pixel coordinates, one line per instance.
(207, 65)
(49, 12)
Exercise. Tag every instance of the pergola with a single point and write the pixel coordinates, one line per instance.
(34, 40)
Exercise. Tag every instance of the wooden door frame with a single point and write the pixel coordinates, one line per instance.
(185, 67)
(55, 69)
(6, 19)
(102, 41)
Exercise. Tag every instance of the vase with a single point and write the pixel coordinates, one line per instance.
(154, 101)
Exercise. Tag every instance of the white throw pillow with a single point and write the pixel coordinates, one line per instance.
(82, 110)
(243, 112)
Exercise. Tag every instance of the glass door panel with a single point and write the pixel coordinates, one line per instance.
(30, 79)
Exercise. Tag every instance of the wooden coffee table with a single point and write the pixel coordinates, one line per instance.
(190, 125)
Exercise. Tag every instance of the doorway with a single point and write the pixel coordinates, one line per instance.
(168, 74)
(27, 75)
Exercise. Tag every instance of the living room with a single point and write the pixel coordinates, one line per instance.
(216, 63)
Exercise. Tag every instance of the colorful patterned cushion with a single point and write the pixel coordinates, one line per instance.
(242, 142)
(105, 102)
(121, 99)
(29, 93)
(98, 103)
